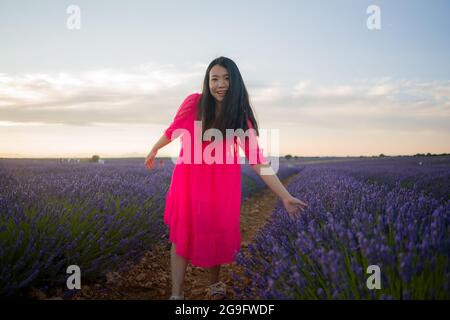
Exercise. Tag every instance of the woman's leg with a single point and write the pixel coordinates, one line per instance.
(214, 274)
(217, 290)
(178, 265)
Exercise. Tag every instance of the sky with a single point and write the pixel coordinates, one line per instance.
(316, 73)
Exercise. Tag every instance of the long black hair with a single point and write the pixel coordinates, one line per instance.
(235, 107)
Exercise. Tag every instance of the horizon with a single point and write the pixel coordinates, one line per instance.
(281, 156)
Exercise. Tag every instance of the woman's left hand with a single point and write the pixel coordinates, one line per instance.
(293, 205)
(149, 161)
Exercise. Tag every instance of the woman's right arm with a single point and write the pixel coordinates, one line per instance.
(163, 141)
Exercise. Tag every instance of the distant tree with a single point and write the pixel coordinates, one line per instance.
(288, 156)
(95, 158)
(382, 155)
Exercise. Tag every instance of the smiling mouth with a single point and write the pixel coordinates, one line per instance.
(221, 93)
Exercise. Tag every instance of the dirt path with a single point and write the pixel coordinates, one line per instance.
(150, 278)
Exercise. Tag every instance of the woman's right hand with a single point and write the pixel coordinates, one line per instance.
(149, 161)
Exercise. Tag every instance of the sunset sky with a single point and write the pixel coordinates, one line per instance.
(313, 70)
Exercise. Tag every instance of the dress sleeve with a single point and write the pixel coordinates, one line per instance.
(182, 117)
(252, 151)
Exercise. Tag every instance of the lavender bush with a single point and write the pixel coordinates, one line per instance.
(94, 216)
(428, 174)
(350, 224)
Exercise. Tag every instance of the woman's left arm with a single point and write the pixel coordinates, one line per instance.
(271, 180)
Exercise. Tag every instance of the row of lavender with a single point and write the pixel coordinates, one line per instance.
(430, 175)
(94, 216)
(352, 223)
(53, 215)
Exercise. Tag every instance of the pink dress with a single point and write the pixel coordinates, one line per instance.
(203, 203)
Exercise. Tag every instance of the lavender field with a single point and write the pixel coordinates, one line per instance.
(96, 216)
(389, 212)
(393, 213)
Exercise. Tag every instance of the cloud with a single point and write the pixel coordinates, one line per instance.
(267, 94)
(151, 94)
(362, 88)
(134, 95)
(305, 89)
(366, 105)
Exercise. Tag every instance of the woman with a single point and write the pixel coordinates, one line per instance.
(203, 202)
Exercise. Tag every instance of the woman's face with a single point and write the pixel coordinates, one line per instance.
(218, 82)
